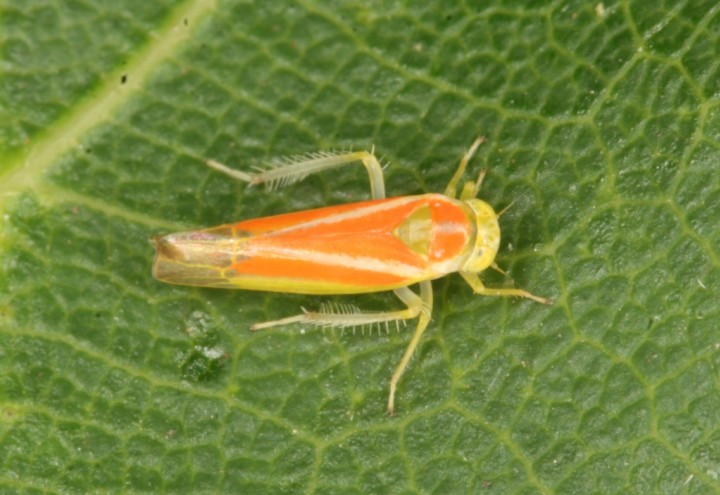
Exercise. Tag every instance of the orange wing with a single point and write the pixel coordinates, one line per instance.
(352, 248)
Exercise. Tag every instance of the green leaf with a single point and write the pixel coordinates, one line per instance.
(603, 126)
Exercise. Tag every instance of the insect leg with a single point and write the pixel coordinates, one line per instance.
(470, 189)
(346, 316)
(425, 301)
(451, 189)
(477, 286)
(295, 169)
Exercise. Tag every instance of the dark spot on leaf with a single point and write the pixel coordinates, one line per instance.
(202, 364)
(205, 359)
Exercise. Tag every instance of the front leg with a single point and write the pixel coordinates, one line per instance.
(477, 286)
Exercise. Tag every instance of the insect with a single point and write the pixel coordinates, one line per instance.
(378, 245)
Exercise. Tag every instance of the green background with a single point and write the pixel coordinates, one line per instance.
(603, 124)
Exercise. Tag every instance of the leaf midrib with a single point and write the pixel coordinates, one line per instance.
(27, 169)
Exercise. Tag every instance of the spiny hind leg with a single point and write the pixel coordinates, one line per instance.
(348, 316)
(294, 169)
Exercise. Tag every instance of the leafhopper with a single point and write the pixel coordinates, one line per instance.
(378, 245)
